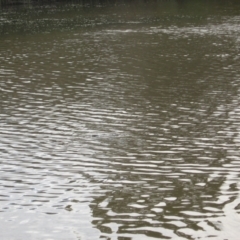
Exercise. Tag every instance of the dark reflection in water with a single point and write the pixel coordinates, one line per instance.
(120, 126)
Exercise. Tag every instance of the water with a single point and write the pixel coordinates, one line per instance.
(120, 122)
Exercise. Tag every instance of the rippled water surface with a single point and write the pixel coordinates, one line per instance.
(120, 122)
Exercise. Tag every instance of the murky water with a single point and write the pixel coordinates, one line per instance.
(120, 122)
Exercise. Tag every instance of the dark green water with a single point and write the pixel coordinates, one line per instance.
(120, 121)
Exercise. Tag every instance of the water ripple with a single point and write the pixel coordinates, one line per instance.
(127, 132)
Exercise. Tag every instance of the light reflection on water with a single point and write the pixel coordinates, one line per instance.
(121, 131)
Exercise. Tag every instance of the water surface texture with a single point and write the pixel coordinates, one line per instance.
(120, 122)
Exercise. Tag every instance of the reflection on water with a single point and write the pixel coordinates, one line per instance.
(115, 126)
